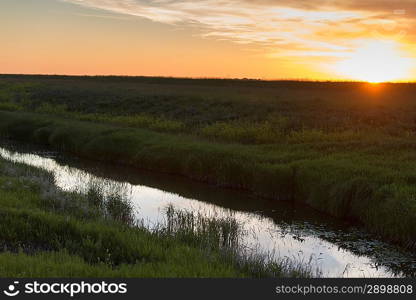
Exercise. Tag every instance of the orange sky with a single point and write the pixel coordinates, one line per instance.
(270, 39)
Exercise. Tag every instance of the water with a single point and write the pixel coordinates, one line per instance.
(283, 229)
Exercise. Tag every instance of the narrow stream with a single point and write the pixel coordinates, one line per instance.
(282, 229)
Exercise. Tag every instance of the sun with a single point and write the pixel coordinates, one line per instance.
(375, 62)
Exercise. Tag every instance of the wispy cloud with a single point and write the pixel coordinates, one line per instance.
(294, 26)
(100, 16)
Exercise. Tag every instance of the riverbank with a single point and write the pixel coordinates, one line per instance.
(366, 181)
(47, 232)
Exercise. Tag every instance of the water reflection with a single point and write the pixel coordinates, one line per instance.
(284, 229)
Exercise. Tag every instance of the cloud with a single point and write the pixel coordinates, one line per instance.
(325, 26)
(126, 18)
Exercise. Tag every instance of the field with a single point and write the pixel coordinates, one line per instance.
(346, 149)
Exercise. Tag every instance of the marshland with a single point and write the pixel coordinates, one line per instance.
(168, 177)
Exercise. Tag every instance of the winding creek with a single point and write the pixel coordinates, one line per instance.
(282, 229)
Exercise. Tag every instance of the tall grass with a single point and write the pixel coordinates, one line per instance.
(207, 232)
(344, 179)
(38, 229)
(346, 149)
(224, 235)
(236, 111)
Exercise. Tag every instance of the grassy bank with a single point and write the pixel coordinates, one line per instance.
(343, 148)
(46, 232)
(372, 184)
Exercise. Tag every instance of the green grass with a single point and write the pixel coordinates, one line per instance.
(346, 149)
(45, 232)
(231, 110)
(367, 185)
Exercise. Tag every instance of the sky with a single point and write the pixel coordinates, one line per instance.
(370, 40)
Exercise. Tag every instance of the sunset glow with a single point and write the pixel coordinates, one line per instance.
(369, 40)
(376, 62)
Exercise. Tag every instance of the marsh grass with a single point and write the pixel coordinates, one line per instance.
(120, 209)
(95, 196)
(249, 112)
(345, 179)
(94, 232)
(136, 120)
(207, 232)
(100, 199)
(10, 106)
(225, 235)
(272, 131)
(346, 149)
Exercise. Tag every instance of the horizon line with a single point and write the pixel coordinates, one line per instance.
(212, 78)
